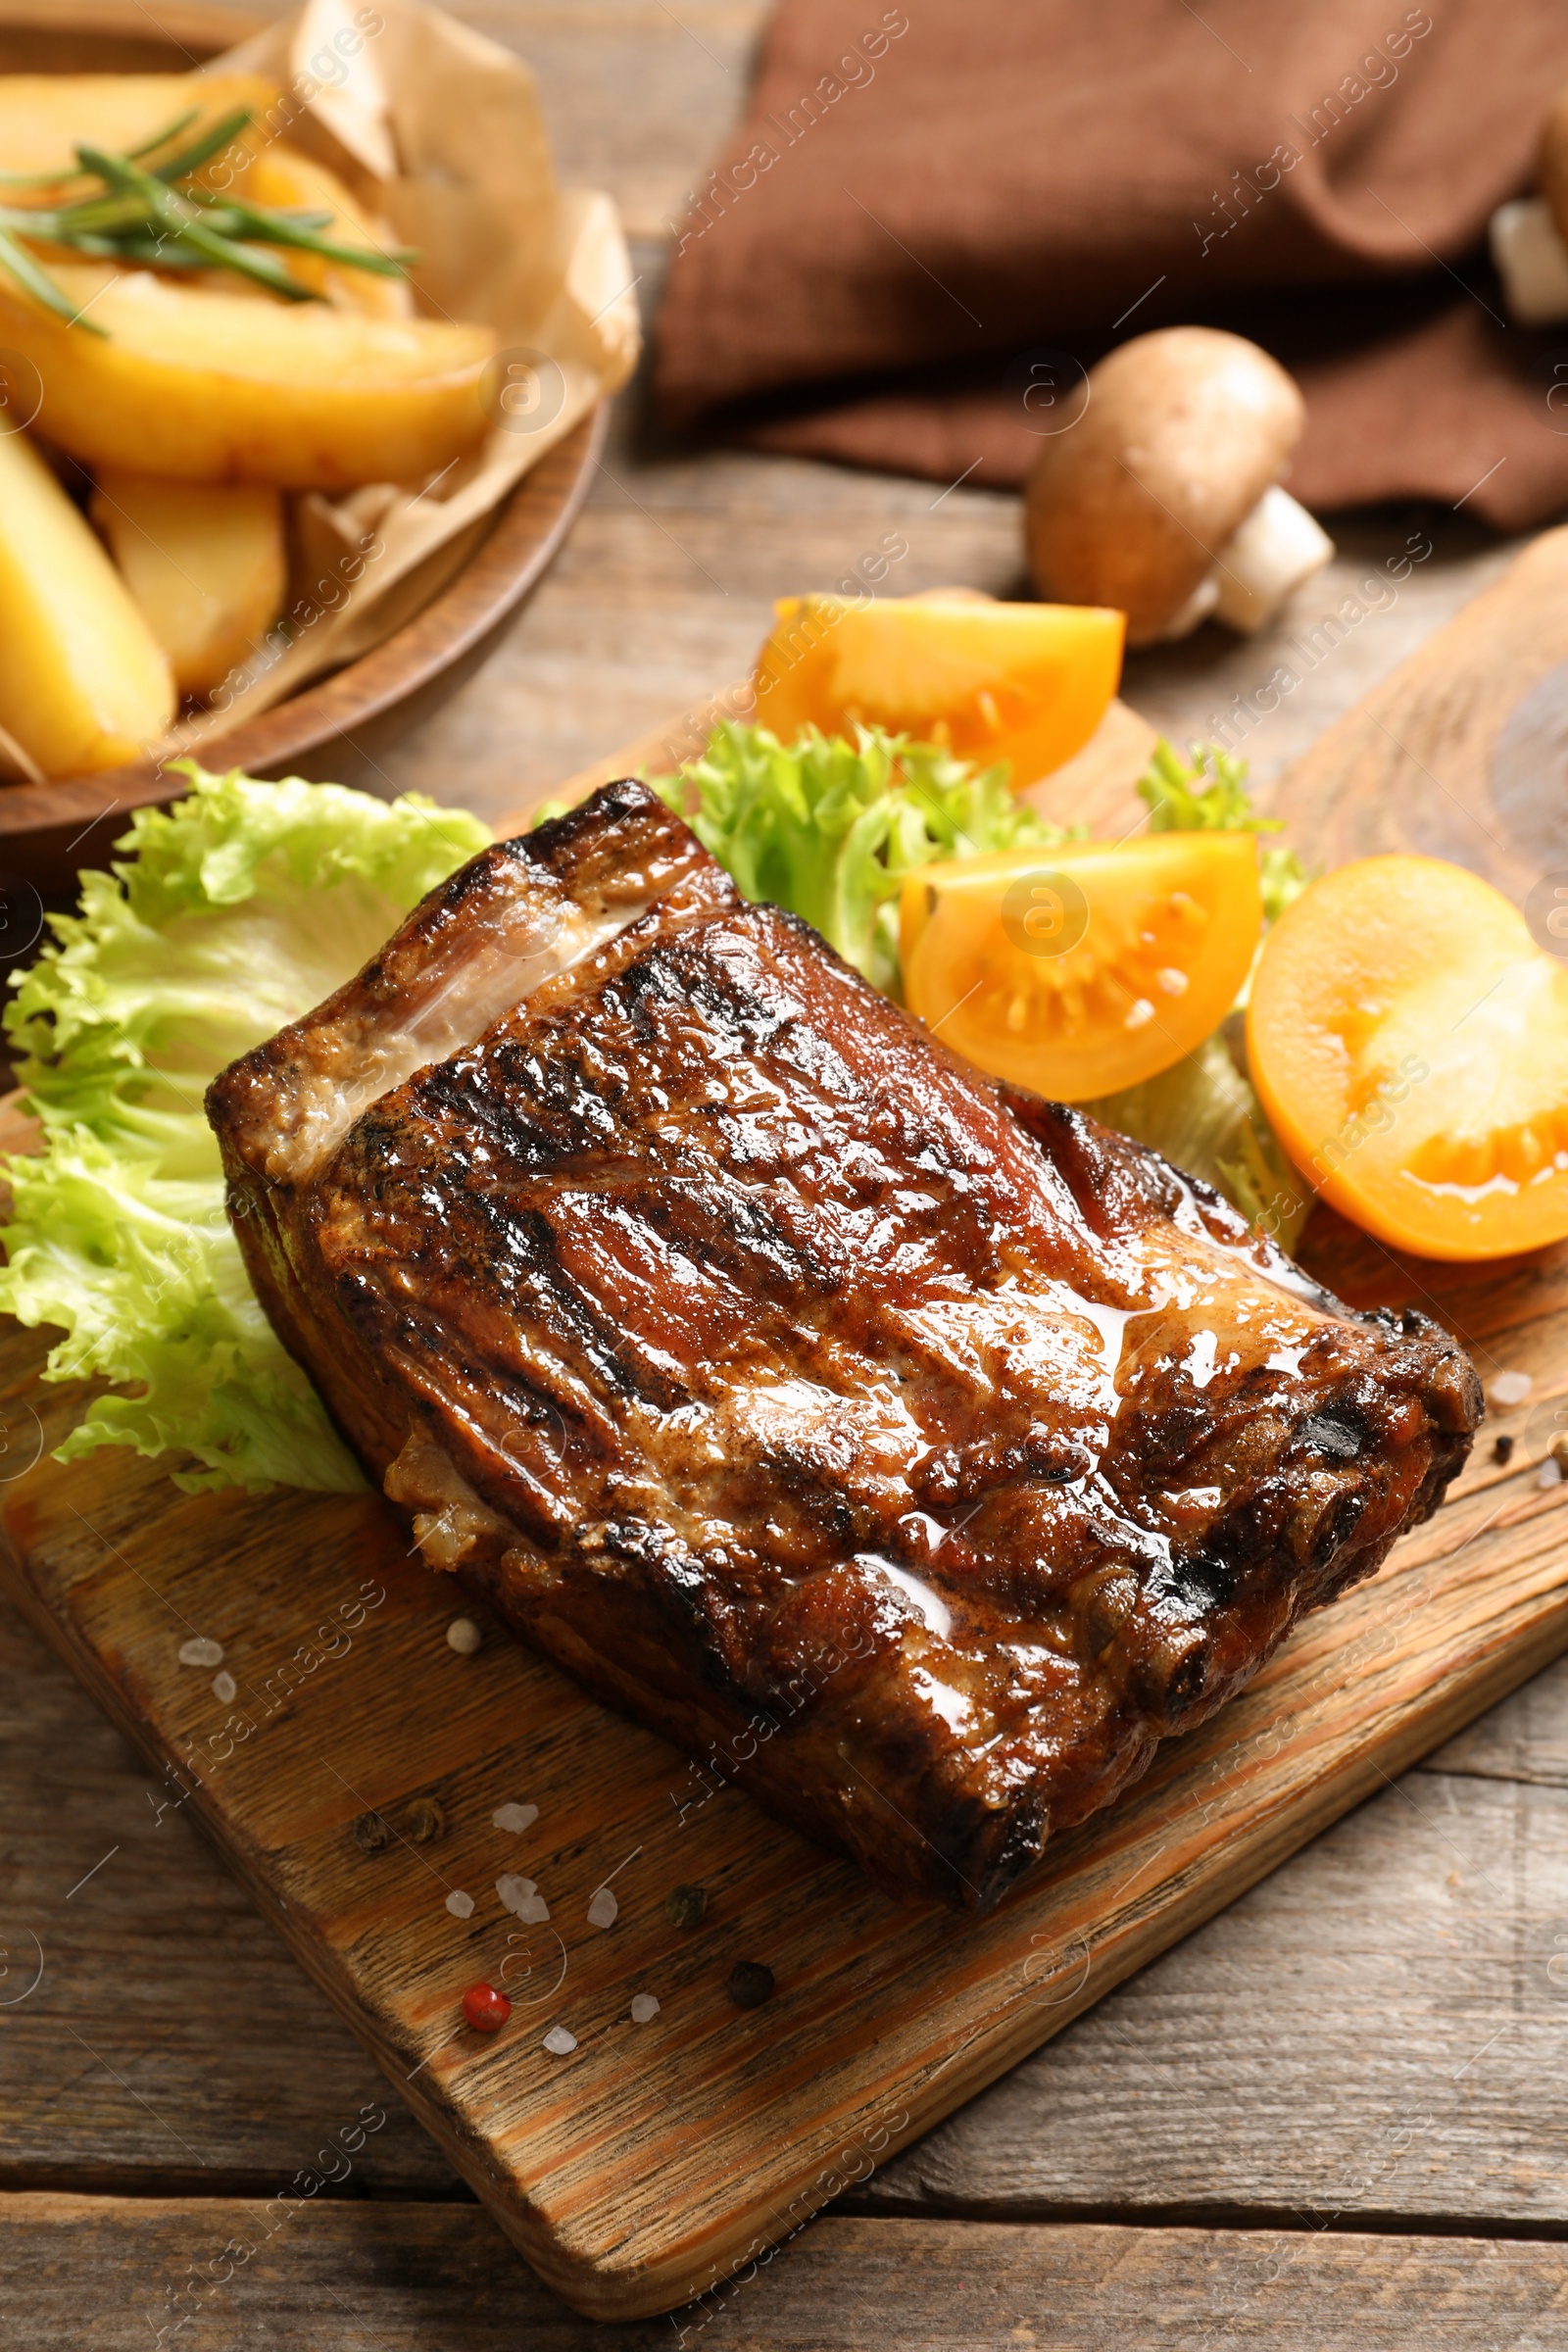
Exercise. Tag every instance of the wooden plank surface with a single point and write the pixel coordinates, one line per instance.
(170, 2042)
(1312, 2051)
(648, 2158)
(345, 2278)
(1370, 2038)
(665, 588)
(662, 2160)
(632, 2163)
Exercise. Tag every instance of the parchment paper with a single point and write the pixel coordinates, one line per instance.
(437, 131)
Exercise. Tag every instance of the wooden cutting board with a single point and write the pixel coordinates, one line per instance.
(354, 1776)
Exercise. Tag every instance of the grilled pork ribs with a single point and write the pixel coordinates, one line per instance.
(917, 1452)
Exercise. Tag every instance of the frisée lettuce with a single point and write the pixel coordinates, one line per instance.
(235, 912)
(829, 829)
(1209, 794)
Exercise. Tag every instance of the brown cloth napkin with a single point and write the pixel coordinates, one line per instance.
(932, 210)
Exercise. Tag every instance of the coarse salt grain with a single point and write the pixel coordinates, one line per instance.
(1510, 1388)
(523, 1898)
(464, 1636)
(225, 1688)
(1549, 1475)
(200, 1651)
(516, 1818)
(558, 2041)
(602, 1910)
(643, 2007)
(460, 1905)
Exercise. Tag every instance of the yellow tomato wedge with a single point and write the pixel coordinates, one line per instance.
(1081, 969)
(1409, 1042)
(1025, 683)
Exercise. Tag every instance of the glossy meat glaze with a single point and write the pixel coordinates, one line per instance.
(915, 1452)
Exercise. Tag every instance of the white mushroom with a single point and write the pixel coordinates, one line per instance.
(1528, 236)
(1165, 500)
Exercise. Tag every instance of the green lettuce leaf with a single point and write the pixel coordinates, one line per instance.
(235, 912)
(1207, 794)
(829, 829)
(1206, 1119)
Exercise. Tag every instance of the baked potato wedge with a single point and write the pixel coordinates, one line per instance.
(44, 117)
(83, 684)
(197, 384)
(207, 567)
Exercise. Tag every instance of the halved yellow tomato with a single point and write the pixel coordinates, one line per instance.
(1409, 1042)
(1081, 969)
(1025, 683)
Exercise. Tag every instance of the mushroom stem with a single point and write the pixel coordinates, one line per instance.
(1531, 261)
(1278, 547)
(1190, 611)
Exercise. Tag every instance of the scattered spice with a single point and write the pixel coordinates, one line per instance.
(371, 1833)
(686, 1906)
(464, 1636)
(200, 1651)
(559, 2042)
(424, 1820)
(749, 1983)
(644, 2005)
(485, 2009)
(1502, 1451)
(460, 1905)
(225, 1688)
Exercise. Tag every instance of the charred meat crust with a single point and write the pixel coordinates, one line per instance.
(915, 1452)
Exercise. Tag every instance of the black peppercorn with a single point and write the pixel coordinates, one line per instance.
(686, 1906)
(1502, 1451)
(749, 1983)
(424, 1820)
(370, 1834)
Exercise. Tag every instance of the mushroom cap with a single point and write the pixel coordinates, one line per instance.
(1551, 162)
(1183, 432)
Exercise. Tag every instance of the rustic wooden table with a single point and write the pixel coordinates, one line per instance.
(1336, 2116)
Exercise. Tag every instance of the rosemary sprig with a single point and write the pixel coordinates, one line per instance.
(171, 216)
(144, 215)
(271, 224)
(38, 283)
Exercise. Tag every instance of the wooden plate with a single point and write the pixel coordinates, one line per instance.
(49, 831)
